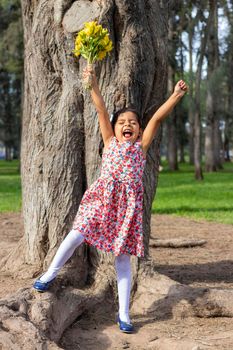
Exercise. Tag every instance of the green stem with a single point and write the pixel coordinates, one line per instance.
(90, 60)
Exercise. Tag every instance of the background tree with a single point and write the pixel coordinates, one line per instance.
(171, 123)
(192, 22)
(175, 133)
(11, 67)
(206, 22)
(196, 53)
(228, 69)
(212, 137)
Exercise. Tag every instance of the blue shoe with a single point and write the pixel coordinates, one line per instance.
(124, 326)
(42, 286)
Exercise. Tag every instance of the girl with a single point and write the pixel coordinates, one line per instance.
(110, 213)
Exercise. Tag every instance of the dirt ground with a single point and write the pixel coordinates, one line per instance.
(208, 266)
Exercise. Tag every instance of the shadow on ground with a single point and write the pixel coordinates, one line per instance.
(221, 271)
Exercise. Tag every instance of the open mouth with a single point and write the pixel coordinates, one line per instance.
(127, 134)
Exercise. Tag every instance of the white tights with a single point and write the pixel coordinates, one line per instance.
(65, 251)
(122, 264)
(123, 270)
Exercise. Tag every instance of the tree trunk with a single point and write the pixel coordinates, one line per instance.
(212, 137)
(197, 102)
(182, 153)
(60, 136)
(227, 157)
(226, 148)
(6, 113)
(209, 136)
(191, 101)
(228, 133)
(180, 111)
(8, 153)
(218, 144)
(171, 121)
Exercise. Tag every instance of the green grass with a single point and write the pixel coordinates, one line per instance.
(180, 194)
(10, 186)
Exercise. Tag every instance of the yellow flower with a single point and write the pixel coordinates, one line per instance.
(78, 46)
(92, 42)
(97, 29)
(89, 24)
(109, 47)
(101, 55)
(105, 41)
(105, 31)
(92, 28)
(78, 41)
(89, 28)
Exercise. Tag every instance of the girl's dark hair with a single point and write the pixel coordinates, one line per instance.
(114, 118)
(116, 114)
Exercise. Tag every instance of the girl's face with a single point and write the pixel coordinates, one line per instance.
(127, 127)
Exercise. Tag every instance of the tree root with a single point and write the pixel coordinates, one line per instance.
(177, 243)
(173, 344)
(32, 320)
(161, 297)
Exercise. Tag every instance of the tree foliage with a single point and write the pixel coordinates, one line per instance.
(201, 46)
(189, 20)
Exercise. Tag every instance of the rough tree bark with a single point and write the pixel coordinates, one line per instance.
(229, 72)
(171, 122)
(197, 102)
(212, 144)
(191, 101)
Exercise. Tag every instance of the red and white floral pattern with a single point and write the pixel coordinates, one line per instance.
(110, 213)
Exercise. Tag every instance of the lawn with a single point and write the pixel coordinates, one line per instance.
(177, 193)
(180, 194)
(10, 186)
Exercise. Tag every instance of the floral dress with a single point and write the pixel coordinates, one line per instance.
(110, 213)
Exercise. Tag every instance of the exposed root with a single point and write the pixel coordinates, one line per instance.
(173, 344)
(32, 320)
(177, 243)
(160, 297)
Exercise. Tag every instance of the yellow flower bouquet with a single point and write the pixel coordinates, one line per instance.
(92, 43)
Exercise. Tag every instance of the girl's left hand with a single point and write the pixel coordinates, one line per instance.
(181, 88)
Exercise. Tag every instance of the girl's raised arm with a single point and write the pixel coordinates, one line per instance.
(152, 127)
(104, 121)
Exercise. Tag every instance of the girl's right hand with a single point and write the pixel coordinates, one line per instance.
(89, 76)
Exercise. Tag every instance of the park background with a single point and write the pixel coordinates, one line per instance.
(209, 199)
(196, 150)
